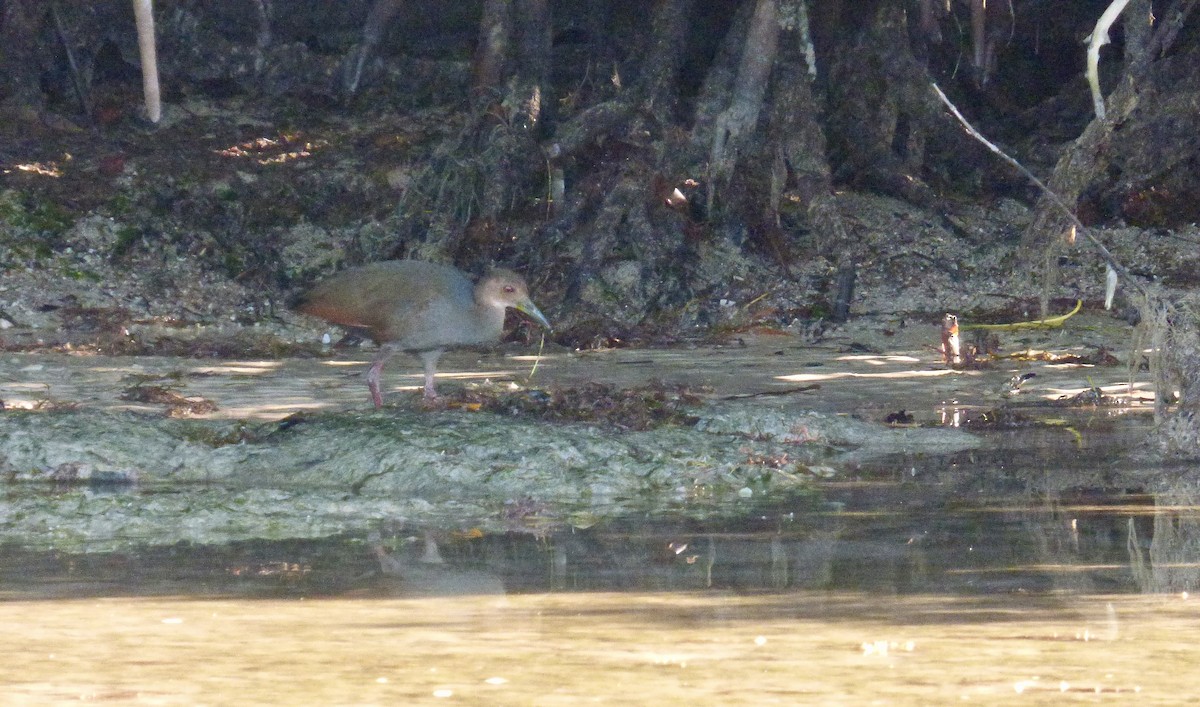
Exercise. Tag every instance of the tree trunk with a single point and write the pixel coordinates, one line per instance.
(737, 122)
(494, 165)
(533, 33)
(492, 49)
(658, 89)
(800, 162)
(881, 109)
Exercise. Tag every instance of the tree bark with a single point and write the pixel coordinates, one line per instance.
(533, 31)
(379, 18)
(881, 110)
(655, 94)
(493, 48)
(19, 61)
(735, 124)
(800, 158)
(658, 88)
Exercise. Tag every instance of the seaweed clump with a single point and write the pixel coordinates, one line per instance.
(640, 408)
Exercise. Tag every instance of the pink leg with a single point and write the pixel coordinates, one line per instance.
(376, 371)
(430, 359)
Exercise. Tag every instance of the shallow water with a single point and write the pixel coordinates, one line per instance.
(718, 647)
(1045, 566)
(883, 589)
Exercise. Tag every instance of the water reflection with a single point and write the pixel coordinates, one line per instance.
(876, 589)
(866, 536)
(794, 647)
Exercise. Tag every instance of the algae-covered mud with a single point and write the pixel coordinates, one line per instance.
(204, 482)
(767, 520)
(292, 449)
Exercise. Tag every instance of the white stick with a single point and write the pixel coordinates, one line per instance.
(1110, 285)
(143, 13)
(1098, 39)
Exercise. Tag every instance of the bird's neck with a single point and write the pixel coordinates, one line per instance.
(490, 317)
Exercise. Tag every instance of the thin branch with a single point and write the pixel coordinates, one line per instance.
(1104, 253)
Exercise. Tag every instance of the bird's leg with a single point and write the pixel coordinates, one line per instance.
(373, 375)
(430, 359)
(373, 382)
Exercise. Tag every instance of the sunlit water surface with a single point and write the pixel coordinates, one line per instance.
(883, 592)
(714, 647)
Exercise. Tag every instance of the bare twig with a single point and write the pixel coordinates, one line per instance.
(1055, 198)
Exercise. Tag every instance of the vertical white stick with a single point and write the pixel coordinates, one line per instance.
(1099, 39)
(143, 13)
(1110, 285)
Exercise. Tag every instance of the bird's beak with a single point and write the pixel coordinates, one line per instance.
(529, 309)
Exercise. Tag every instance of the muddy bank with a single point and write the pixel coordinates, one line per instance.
(770, 415)
(97, 477)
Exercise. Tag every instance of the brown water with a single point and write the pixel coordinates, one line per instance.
(713, 647)
(875, 591)
(1044, 569)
